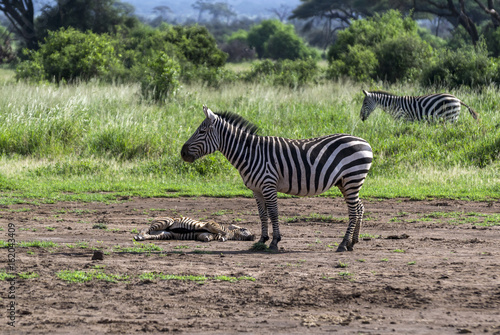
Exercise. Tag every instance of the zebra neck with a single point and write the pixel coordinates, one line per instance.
(237, 145)
(388, 103)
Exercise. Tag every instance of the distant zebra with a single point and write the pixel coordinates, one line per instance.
(426, 107)
(167, 228)
(271, 164)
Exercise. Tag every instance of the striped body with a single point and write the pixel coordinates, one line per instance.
(427, 107)
(269, 164)
(167, 228)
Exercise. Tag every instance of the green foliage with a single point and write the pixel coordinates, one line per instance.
(98, 16)
(85, 276)
(468, 66)
(162, 78)
(67, 55)
(386, 47)
(402, 57)
(112, 143)
(276, 40)
(284, 73)
(196, 44)
(358, 63)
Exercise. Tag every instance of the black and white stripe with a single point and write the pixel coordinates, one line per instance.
(271, 164)
(184, 228)
(427, 107)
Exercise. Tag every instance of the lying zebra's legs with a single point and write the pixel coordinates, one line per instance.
(261, 204)
(154, 235)
(204, 237)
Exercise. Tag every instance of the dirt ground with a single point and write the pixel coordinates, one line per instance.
(422, 267)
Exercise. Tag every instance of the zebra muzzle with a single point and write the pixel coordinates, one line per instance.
(186, 156)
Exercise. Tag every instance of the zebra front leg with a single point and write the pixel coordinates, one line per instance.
(347, 242)
(359, 219)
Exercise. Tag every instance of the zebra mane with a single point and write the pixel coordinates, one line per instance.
(238, 121)
(384, 92)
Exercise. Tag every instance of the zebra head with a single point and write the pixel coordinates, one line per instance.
(240, 234)
(204, 141)
(369, 104)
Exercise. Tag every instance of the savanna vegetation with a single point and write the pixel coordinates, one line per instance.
(98, 115)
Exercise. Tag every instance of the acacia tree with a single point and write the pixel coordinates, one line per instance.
(21, 15)
(335, 15)
(338, 14)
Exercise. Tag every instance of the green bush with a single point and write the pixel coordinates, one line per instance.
(291, 73)
(68, 54)
(357, 63)
(162, 78)
(402, 57)
(386, 47)
(468, 66)
(276, 40)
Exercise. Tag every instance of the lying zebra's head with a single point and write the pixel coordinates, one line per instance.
(240, 234)
(204, 141)
(369, 104)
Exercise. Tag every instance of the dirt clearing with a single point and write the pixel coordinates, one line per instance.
(421, 267)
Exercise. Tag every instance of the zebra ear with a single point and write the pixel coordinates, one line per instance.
(208, 113)
(366, 93)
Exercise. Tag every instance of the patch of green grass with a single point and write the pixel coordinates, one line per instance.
(30, 244)
(346, 274)
(315, 217)
(181, 247)
(85, 276)
(259, 246)
(342, 265)
(62, 145)
(368, 235)
(100, 226)
(399, 251)
(138, 248)
(152, 276)
(50, 228)
(28, 275)
(6, 276)
(197, 251)
(79, 245)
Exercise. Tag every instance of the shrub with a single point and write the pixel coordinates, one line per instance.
(162, 78)
(468, 66)
(357, 63)
(383, 47)
(68, 54)
(276, 40)
(402, 57)
(286, 73)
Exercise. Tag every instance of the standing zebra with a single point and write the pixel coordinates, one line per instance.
(426, 107)
(271, 164)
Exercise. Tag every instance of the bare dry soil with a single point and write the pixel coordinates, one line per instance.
(421, 267)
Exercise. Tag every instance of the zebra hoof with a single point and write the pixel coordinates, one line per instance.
(263, 239)
(273, 247)
(138, 238)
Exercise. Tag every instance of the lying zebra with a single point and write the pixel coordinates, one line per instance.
(188, 229)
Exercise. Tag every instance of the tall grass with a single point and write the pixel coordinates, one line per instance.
(96, 141)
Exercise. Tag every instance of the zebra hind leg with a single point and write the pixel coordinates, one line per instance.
(351, 236)
(261, 204)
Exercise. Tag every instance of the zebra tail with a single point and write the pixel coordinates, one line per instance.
(472, 112)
